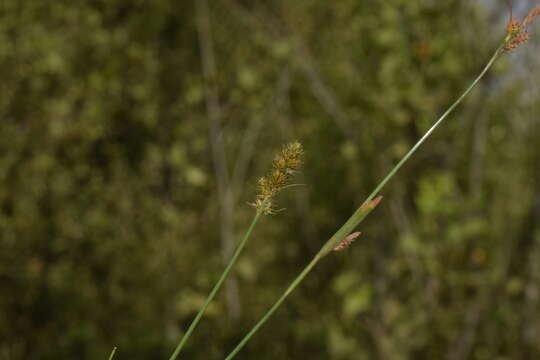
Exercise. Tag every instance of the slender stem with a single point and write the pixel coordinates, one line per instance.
(437, 123)
(112, 353)
(216, 287)
(361, 213)
(282, 298)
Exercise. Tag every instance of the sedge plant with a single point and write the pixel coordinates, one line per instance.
(288, 161)
(516, 35)
(283, 167)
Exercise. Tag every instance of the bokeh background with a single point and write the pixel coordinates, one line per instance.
(132, 133)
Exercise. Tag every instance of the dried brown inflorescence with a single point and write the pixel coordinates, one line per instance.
(516, 33)
(372, 204)
(283, 167)
(345, 243)
(365, 209)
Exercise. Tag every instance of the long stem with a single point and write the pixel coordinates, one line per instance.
(289, 290)
(361, 213)
(216, 287)
(112, 353)
(437, 123)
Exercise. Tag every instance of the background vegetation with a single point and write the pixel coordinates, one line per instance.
(132, 134)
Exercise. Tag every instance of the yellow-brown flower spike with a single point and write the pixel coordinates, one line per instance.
(515, 30)
(283, 167)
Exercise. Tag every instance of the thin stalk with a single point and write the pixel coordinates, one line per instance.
(362, 212)
(437, 123)
(216, 287)
(282, 298)
(112, 353)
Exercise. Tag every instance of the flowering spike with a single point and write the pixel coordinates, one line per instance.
(516, 33)
(284, 166)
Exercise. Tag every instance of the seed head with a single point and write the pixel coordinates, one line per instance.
(515, 30)
(520, 38)
(284, 166)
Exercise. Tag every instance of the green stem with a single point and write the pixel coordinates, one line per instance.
(289, 290)
(437, 123)
(112, 353)
(361, 213)
(216, 287)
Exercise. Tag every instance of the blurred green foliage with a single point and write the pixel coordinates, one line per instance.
(109, 214)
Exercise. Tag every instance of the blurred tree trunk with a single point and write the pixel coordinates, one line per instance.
(225, 195)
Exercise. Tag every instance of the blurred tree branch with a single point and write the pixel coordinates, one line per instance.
(219, 159)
